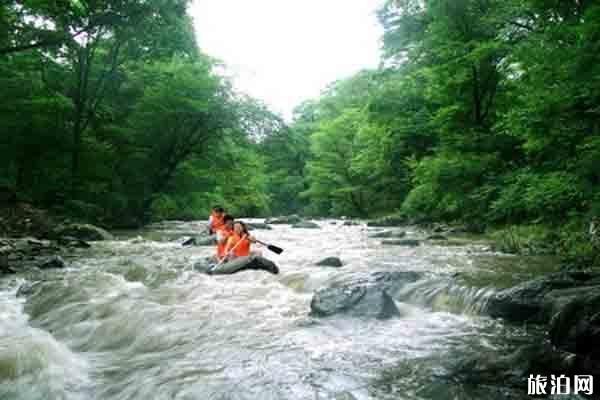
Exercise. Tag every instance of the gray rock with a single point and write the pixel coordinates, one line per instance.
(259, 225)
(351, 223)
(402, 242)
(388, 235)
(196, 241)
(437, 237)
(569, 301)
(54, 262)
(330, 262)
(369, 297)
(28, 288)
(537, 300)
(576, 328)
(69, 241)
(290, 219)
(306, 225)
(188, 241)
(439, 228)
(388, 221)
(84, 232)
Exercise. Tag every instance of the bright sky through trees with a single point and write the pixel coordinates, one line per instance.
(286, 51)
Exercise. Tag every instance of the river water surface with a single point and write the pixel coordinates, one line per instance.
(131, 319)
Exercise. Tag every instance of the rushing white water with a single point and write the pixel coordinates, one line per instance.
(133, 320)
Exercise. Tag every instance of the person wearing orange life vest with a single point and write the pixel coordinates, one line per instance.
(238, 244)
(215, 221)
(223, 234)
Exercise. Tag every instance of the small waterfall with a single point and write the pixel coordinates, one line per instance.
(446, 295)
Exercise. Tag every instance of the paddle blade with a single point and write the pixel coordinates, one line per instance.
(275, 249)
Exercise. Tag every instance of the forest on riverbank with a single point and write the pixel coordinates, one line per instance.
(483, 112)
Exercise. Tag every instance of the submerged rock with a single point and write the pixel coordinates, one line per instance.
(306, 225)
(330, 262)
(364, 297)
(402, 242)
(388, 235)
(85, 232)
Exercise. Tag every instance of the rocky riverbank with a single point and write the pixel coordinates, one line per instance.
(32, 239)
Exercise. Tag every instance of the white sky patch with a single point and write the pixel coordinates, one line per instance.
(287, 51)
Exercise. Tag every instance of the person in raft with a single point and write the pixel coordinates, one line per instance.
(238, 244)
(215, 221)
(223, 234)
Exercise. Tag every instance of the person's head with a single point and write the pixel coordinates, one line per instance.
(228, 220)
(218, 210)
(240, 228)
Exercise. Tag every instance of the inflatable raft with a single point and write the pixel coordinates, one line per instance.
(208, 265)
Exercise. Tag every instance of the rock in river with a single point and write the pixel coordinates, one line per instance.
(258, 225)
(85, 232)
(539, 299)
(54, 262)
(330, 262)
(388, 235)
(387, 222)
(363, 297)
(290, 219)
(306, 225)
(402, 242)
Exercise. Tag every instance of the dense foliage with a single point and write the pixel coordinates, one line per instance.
(484, 112)
(110, 112)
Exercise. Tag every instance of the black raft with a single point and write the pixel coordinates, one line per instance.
(208, 266)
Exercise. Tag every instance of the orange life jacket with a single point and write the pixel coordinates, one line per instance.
(225, 233)
(242, 249)
(216, 222)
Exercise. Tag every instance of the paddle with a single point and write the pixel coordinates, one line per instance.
(274, 249)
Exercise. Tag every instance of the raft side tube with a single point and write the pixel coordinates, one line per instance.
(239, 264)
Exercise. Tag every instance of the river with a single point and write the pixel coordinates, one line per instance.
(131, 319)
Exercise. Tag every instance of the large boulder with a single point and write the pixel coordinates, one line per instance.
(569, 301)
(84, 232)
(388, 221)
(539, 299)
(290, 219)
(388, 235)
(330, 262)
(575, 328)
(369, 297)
(306, 225)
